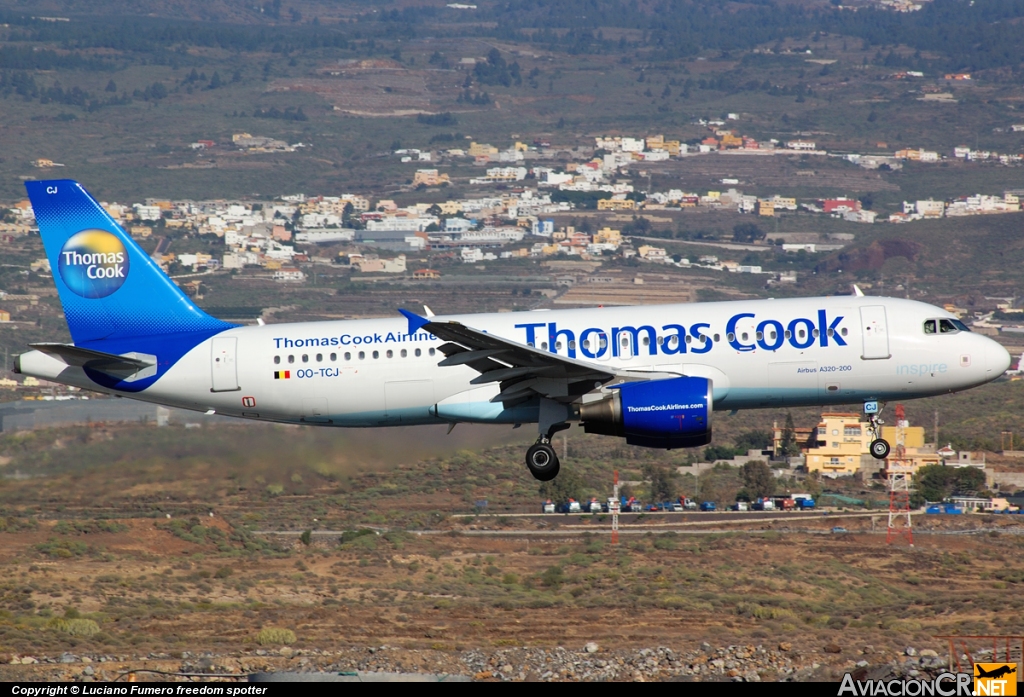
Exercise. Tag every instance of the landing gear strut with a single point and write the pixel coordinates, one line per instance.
(879, 446)
(541, 459)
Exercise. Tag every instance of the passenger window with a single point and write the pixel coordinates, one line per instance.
(305, 358)
(843, 332)
(319, 358)
(362, 355)
(348, 356)
(277, 359)
(572, 345)
(744, 336)
(431, 352)
(376, 355)
(689, 339)
(647, 341)
(334, 357)
(390, 354)
(717, 338)
(929, 326)
(946, 327)
(586, 343)
(404, 353)
(418, 353)
(291, 359)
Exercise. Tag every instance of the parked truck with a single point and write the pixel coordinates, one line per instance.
(764, 505)
(688, 504)
(708, 506)
(805, 504)
(571, 506)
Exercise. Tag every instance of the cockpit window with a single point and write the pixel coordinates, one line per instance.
(944, 326)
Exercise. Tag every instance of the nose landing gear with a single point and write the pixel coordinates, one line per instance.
(879, 447)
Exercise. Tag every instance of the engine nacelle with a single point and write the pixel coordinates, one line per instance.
(673, 413)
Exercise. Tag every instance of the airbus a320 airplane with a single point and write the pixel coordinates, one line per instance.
(651, 375)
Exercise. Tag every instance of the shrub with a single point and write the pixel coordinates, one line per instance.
(272, 636)
(74, 626)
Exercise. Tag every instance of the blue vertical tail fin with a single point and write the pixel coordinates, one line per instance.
(113, 293)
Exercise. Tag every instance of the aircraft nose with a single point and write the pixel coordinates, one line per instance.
(997, 359)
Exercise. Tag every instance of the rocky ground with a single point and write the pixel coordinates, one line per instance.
(588, 663)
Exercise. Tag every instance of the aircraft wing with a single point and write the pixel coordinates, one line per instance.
(522, 371)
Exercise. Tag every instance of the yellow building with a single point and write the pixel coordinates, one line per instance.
(608, 236)
(842, 438)
(766, 208)
(481, 149)
(659, 143)
(731, 141)
(450, 207)
(616, 204)
(429, 177)
(840, 441)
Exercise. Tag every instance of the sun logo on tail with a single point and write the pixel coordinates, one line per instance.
(93, 263)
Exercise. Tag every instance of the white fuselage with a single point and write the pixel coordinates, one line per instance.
(758, 353)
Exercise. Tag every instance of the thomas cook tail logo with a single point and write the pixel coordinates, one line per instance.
(93, 263)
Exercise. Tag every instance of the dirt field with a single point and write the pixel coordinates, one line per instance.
(141, 548)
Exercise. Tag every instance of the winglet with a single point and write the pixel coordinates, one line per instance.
(415, 321)
(857, 291)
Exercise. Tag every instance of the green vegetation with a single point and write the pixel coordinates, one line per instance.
(937, 482)
(275, 636)
(76, 627)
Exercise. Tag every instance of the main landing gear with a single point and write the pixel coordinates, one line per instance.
(879, 447)
(541, 459)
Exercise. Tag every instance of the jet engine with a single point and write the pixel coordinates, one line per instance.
(672, 413)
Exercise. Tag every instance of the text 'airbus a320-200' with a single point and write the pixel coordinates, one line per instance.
(652, 374)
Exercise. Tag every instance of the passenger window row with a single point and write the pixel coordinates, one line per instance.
(361, 355)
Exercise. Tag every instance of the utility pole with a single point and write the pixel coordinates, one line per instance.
(614, 508)
(936, 431)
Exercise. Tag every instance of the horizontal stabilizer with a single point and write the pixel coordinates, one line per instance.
(126, 367)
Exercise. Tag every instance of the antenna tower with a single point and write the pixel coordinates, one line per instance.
(899, 470)
(614, 508)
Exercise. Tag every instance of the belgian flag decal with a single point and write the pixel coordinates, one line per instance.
(282, 374)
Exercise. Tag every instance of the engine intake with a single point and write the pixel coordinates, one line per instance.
(673, 413)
